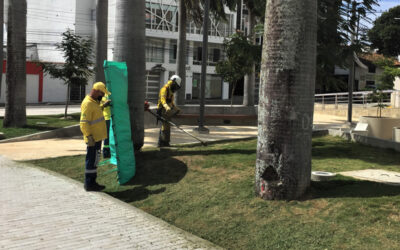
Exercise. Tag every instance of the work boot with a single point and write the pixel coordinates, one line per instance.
(94, 187)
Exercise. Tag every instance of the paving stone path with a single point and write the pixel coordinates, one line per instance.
(43, 210)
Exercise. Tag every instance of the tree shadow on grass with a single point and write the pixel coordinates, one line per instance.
(348, 187)
(346, 150)
(151, 172)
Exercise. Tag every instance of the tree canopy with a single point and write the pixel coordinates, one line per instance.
(385, 33)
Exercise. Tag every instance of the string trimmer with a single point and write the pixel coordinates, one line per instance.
(147, 108)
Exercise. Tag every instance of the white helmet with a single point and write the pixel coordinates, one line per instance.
(177, 79)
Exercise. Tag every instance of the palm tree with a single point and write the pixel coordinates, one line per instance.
(130, 48)
(256, 9)
(15, 113)
(101, 38)
(181, 52)
(194, 10)
(1, 38)
(285, 113)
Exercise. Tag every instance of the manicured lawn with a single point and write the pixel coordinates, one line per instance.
(208, 191)
(39, 124)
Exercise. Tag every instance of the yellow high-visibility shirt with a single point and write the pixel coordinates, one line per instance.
(92, 120)
(106, 110)
(166, 96)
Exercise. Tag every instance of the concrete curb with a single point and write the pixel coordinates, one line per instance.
(366, 140)
(69, 131)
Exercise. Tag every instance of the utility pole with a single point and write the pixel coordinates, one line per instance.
(204, 54)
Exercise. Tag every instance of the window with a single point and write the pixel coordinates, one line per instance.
(161, 16)
(155, 50)
(213, 86)
(371, 68)
(173, 51)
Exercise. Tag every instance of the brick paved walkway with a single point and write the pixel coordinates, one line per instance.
(43, 210)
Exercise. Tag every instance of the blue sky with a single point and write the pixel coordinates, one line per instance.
(386, 5)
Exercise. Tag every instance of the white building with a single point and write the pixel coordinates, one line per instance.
(47, 19)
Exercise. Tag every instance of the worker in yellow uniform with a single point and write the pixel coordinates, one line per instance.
(94, 130)
(166, 108)
(105, 105)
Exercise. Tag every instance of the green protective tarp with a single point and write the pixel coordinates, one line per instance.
(121, 145)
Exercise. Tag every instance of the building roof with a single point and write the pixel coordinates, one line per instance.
(373, 57)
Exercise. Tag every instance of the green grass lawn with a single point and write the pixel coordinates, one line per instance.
(208, 191)
(36, 124)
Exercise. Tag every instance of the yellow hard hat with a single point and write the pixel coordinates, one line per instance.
(101, 87)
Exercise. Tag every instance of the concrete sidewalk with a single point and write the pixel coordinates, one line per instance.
(48, 109)
(41, 149)
(42, 210)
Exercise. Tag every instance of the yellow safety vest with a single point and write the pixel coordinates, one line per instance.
(92, 120)
(106, 110)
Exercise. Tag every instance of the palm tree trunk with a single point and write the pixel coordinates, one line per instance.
(249, 80)
(67, 101)
(283, 166)
(181, 54)
(15, 112)
(1, 40)
(101, 38)
(130, 48)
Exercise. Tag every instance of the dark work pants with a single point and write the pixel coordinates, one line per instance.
(92, 158)
(106, 146)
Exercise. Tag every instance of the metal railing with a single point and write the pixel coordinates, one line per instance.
(359, 98)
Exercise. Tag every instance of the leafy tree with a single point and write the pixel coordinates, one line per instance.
(385, 33)
(340, 33)
(78, 62)
(384, 81)
(241, 55)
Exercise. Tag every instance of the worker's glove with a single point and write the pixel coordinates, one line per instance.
(107, 103)
(90, 141)
(167, 108)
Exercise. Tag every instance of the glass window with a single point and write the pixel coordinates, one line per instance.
(155, 50)
(213, 86)
(161, 16)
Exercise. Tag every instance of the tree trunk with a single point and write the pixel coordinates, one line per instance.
(130, 48)
(181, 53)
(67, 102)
(15, 112)
(101, 38)
(249, 80)
(285, 114)
(1, 40)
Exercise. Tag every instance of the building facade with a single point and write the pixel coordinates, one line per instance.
(47, 19)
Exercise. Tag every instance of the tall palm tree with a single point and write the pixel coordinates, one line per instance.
(256, 9)
(1, 39)
(249, 79)
(15, 113)
(130, 48)
(283, 166)
(101, 37)
(181, 51)
(194, 10)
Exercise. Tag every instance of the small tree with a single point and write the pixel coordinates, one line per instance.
(78, 62)
(240, 57)
(385, 82)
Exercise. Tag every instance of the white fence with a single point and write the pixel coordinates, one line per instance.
(359, 98)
